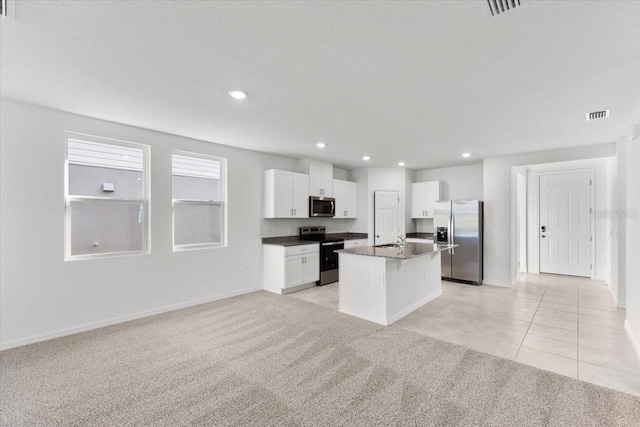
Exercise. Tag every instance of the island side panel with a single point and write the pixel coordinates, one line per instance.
(411, 284)
(362, 287)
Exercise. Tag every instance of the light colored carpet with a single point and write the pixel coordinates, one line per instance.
(263, 359)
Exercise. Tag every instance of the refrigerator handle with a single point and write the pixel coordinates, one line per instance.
(450, 233)
(453, 232)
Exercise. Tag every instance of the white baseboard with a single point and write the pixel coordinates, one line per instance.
(634, 339)
(121, 319)
(502, 285)
(413, 307)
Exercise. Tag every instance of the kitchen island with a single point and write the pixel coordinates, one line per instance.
(384, 284)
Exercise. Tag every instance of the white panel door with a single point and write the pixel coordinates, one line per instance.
(339, 195)
(418, 199)
(300, 195)
(386, 217)
(565, 223)
(433, 196)
(310, 267)
(320, 178)
(293, 270)
(351, 197)
(283, 192)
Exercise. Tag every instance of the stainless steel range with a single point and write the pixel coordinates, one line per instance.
(328, 256)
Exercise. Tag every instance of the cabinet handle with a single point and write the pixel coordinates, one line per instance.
(294, 211)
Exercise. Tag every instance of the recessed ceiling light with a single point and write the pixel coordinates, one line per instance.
(237, 94)
(401, 164)
(365, 158)
(321, 145)
(465, 155)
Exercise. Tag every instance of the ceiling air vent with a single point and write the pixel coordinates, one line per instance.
(598, 115)
(501, 6)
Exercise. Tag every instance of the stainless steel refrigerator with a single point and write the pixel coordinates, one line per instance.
(459, 222)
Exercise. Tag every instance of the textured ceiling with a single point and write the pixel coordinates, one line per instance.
(418, 81)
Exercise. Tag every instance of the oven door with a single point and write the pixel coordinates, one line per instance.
(322, 206)
(329, 262)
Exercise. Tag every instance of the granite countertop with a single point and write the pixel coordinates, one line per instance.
(295, 240)
(428, 236)
(412, 250)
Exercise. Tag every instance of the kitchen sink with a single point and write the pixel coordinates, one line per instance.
(390, 245)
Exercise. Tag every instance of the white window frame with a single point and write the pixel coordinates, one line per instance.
(145, 200)
(222, 203)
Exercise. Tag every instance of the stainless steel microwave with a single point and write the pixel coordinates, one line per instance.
(322, 206)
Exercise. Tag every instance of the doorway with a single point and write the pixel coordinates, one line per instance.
(565, 226)
(386, 218)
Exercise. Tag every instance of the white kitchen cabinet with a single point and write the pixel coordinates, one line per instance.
(290, 267)
(286, 194)
(354, 243)
(301, 269)
(320, 177)
(346, 195)
(424, 196)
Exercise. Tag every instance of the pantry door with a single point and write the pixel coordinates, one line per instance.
(386, 216)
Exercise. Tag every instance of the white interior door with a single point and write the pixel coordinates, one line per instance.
(565, 223)
(386, 216)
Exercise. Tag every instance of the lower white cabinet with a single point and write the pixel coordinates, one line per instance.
(284, 267)
(301, 269)
(355, 243)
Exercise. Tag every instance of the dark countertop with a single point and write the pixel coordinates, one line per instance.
(412, 250)
(429, 236)
(295, 240)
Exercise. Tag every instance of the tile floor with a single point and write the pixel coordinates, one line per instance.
(562, 324)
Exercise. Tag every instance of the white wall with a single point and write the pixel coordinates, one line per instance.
(370, 180)
(499, 183)
(459, 182)
(633, 244)
(628, 233)
(409, 224)
(42, 296)
(602, 232)
(521, 218)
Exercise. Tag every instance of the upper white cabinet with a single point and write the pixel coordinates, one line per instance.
(346, 195)
(286, 194)
(320, 177)
(424, 195)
